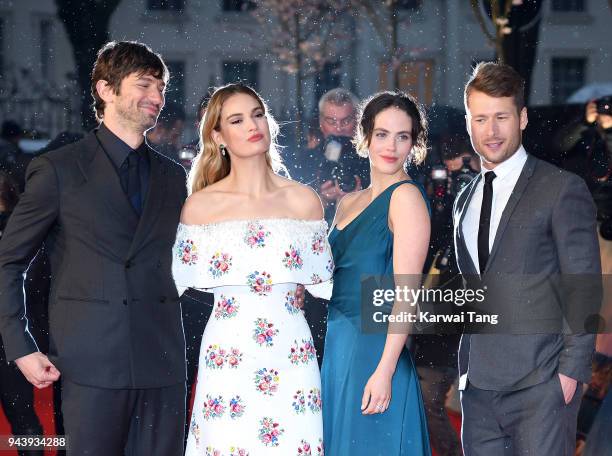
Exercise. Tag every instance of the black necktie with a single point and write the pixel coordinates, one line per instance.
(130, 180)
(485, 221)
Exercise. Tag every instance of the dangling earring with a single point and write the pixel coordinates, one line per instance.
(222, 149)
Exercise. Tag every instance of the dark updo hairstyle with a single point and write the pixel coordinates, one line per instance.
(380, 101)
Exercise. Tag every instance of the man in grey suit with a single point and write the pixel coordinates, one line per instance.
(521, 218)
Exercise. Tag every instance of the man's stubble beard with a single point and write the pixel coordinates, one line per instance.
(134, 119)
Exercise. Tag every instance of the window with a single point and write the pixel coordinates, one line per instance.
(176, 86)
(409, 4)
(166, 5)
(568, 5)
(241, 71)
(567, 77)
(46, 47)
(238, 5)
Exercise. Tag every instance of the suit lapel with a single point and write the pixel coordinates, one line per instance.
(153, 202)
(100, 173)
(461, 245)
(515, 197)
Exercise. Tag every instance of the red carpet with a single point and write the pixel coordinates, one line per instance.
(43, 404)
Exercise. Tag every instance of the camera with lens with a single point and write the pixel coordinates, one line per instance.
(344, 163)
(604, 105)
(450, 184)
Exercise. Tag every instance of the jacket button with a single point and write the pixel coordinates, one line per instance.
(162, 299)
(124, 301)
(128, 264)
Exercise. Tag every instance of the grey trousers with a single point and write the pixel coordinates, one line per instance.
(534, 421)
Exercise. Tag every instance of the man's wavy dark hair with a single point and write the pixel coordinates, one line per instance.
(117, 60)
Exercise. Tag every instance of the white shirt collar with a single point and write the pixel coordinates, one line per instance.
(506, 168)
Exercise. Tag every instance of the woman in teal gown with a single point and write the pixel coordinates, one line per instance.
(372, 402)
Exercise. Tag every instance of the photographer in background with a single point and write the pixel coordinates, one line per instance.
(589, 144)
(336, 168)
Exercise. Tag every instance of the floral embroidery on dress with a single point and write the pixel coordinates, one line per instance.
(187, 252)
(233, 358)
(236, 407)
(220, 263)
(195, 431)
(293, 258)
(260, 284)
(318, 244)
(330, 266)
(315, 278)
(320, 448)
(291, 303)
(299, 402)
(266, 381)
(269, 431)
(226, 307)
(314, 400)
(256, 235)
(304, 449)
(234, 451)
(217, 357)
(303, 353)
(210, 451)
(213, 407)
(264, 332)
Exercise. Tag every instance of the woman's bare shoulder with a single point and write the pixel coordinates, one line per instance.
(303, 199)
(201, 207)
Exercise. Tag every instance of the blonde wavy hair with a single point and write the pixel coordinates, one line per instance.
(210, 166)
(380, 101)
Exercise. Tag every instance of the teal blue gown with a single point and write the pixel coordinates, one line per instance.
(365, 246)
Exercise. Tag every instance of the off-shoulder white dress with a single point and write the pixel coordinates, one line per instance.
(258, 390)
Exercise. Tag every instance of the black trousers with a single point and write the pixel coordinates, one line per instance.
(534, 421)
(117, 422)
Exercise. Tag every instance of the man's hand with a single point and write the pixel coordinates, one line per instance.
(605, 121)
(299, 296)
(331, 191)
(37, 369)
(568, 385)
(591, 112)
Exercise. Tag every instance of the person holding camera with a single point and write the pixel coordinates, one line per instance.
(333, 167)
(590, 144)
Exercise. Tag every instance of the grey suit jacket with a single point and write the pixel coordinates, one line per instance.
(547, 228)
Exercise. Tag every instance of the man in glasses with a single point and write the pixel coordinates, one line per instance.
(340, 169)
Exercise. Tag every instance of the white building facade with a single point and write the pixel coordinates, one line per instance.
(210, 42)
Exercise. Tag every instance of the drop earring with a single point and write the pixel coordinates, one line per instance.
(223, 149)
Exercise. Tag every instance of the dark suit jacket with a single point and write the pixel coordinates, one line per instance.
(114, 316)
(548, 228)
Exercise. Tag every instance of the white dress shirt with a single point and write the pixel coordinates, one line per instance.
(507, 174)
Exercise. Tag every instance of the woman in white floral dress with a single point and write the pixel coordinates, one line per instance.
(250, 236)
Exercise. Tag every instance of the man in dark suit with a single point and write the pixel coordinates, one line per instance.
(526, 219)
(106, 209)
